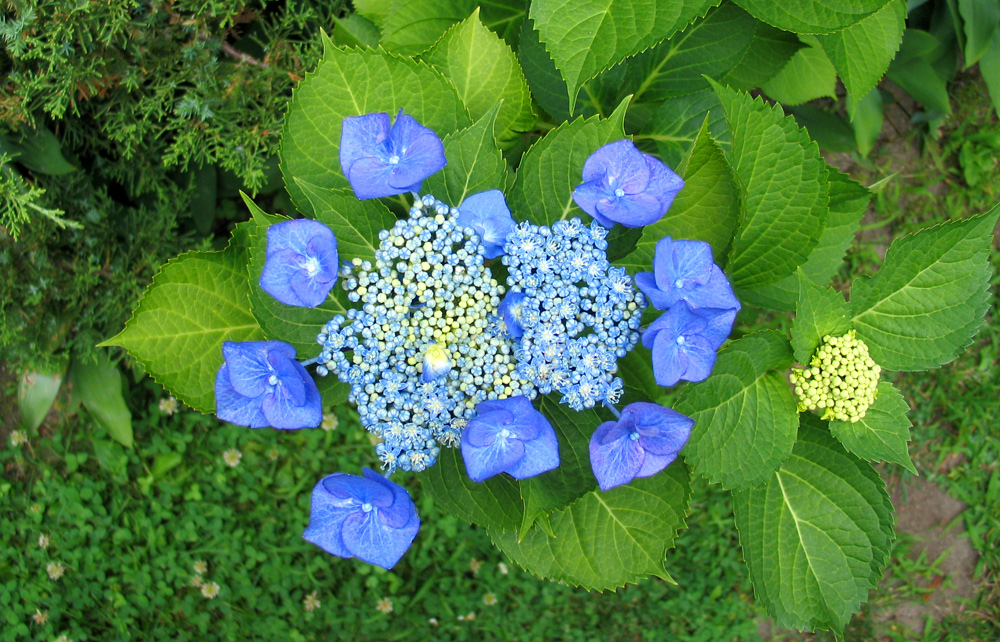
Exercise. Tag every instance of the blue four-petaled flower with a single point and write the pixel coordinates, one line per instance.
(369, 517)
(684, 341)
(509, 436)
(684, 270)
(380, 159)
(261, 384)
(623, 185)
(644, 441)
(487, 213)
(301, 265)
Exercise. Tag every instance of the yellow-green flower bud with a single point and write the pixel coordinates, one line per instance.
(841, 379)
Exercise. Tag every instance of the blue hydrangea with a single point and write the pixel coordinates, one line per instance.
(261, 384)
(509, 436)
(684, 270)
(487, 214)
(367, 517)
(645, 440)
(425, 347)
(578, 314)
(301, 265)
(683, 342)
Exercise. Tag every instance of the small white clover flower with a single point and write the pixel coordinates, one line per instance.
(35, 508)
(63, 638)
(18, 437)
(384, 606)
(43, 541)
(503, 568)
(169, 406)
(490, 599)
(40, 616)
(433, 621)
(200, 567)
(468, 617)
(311, 602)
(210, 590)
(232, 457)
(55, 570)
(475, 565)
(197, 581)
(273, 454)
(330, 422)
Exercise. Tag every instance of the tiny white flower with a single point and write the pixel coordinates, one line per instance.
(200, 567)
(43, 541)
(55, 570)
(503, 568)
(169, 406)
(63, 638)
(311, 602)
(232, 457)
(384, 606)
(18, 437)
(210, 590)
(490, 599)
(433, 621)
(40, 616)
(273, 454)
(475, 565)
(330, 422)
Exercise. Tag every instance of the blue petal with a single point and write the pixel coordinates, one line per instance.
(659, 299)
(662, 431)
(420, 151)
(361, 137)
(297, 235)
(631, 210)
(295, 402)
(401, 512)
(664, 184)
(541, 454)
(586, 196)
(280, 268)
(369, 178)
(483, 430)
(653, 463)
(249, 369)
(618, 165)
(510, 311)
(308, 290)
(235, 408)
(701, 357)
(527, 422)
(301, 265)
(487, 213)
(614, 456)
(720, 325)
(716, 293)
(326, 518)
(483, 463)
(669, 362)
(689, 262)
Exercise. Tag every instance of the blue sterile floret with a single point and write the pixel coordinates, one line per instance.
(368, 517)
(382, 160)
(578, 315)
(623, 185)
(509, 436)
(645, 440)
(261, 384)
(426, 345)
(487, 213)
(685, 271)
(302, 263)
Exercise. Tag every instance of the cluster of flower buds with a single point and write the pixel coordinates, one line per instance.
(841, 379)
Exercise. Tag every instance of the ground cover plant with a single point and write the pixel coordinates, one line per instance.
(509, 168)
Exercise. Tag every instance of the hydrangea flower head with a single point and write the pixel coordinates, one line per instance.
(623, 185)
(841, 379)
(684, 270)
(644, 441)
(367, 517)
(380, 159)
(487, 213)
(684, 341)
(509, 436)
(578, 316)
(301, 264)
(425, 346)
(261, 384)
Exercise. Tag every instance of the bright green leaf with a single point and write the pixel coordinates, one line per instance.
(769, 52)
(981, 19)
(866, 117)
(475, 163)
(989, 67)
(829, 129)
(811, 16)
(784, 193)
(820, 312)
(807, 76)
(198, 301)
(862, 52)
(745, 414)
(816, 535)
(606, 539)
(552, 168)
(484, 70)
(38, 150)
(882, 433)
(676, 123)
(354, 30)
(36, 392)
(585, 37)
(494, 504)
(98, 386)
(351, 83)
(926, 303)
(411, 26)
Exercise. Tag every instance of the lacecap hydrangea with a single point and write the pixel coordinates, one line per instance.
(439, 353)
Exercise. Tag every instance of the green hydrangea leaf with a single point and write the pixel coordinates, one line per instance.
(475, 163)
(494, 504)
(882, 434)
(819, 313)
(547, 86)
(862, 52)
(585, 37)
(484, 70)
(981, 21)
(98, 386)
(557, 488)
(354, 30)
(926, 303)
(352, 82)
(636, 371)
(783, 190)
(552, 168)
(816, 535)
(197, 301)
(745, 413)
(811, 16)
(36, 392)
(848, 202)
(807, 76)
(675, 125)
(606, 539)
(412, 26)
(767, 55)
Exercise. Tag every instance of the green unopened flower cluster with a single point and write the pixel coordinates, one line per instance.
(841, 379)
